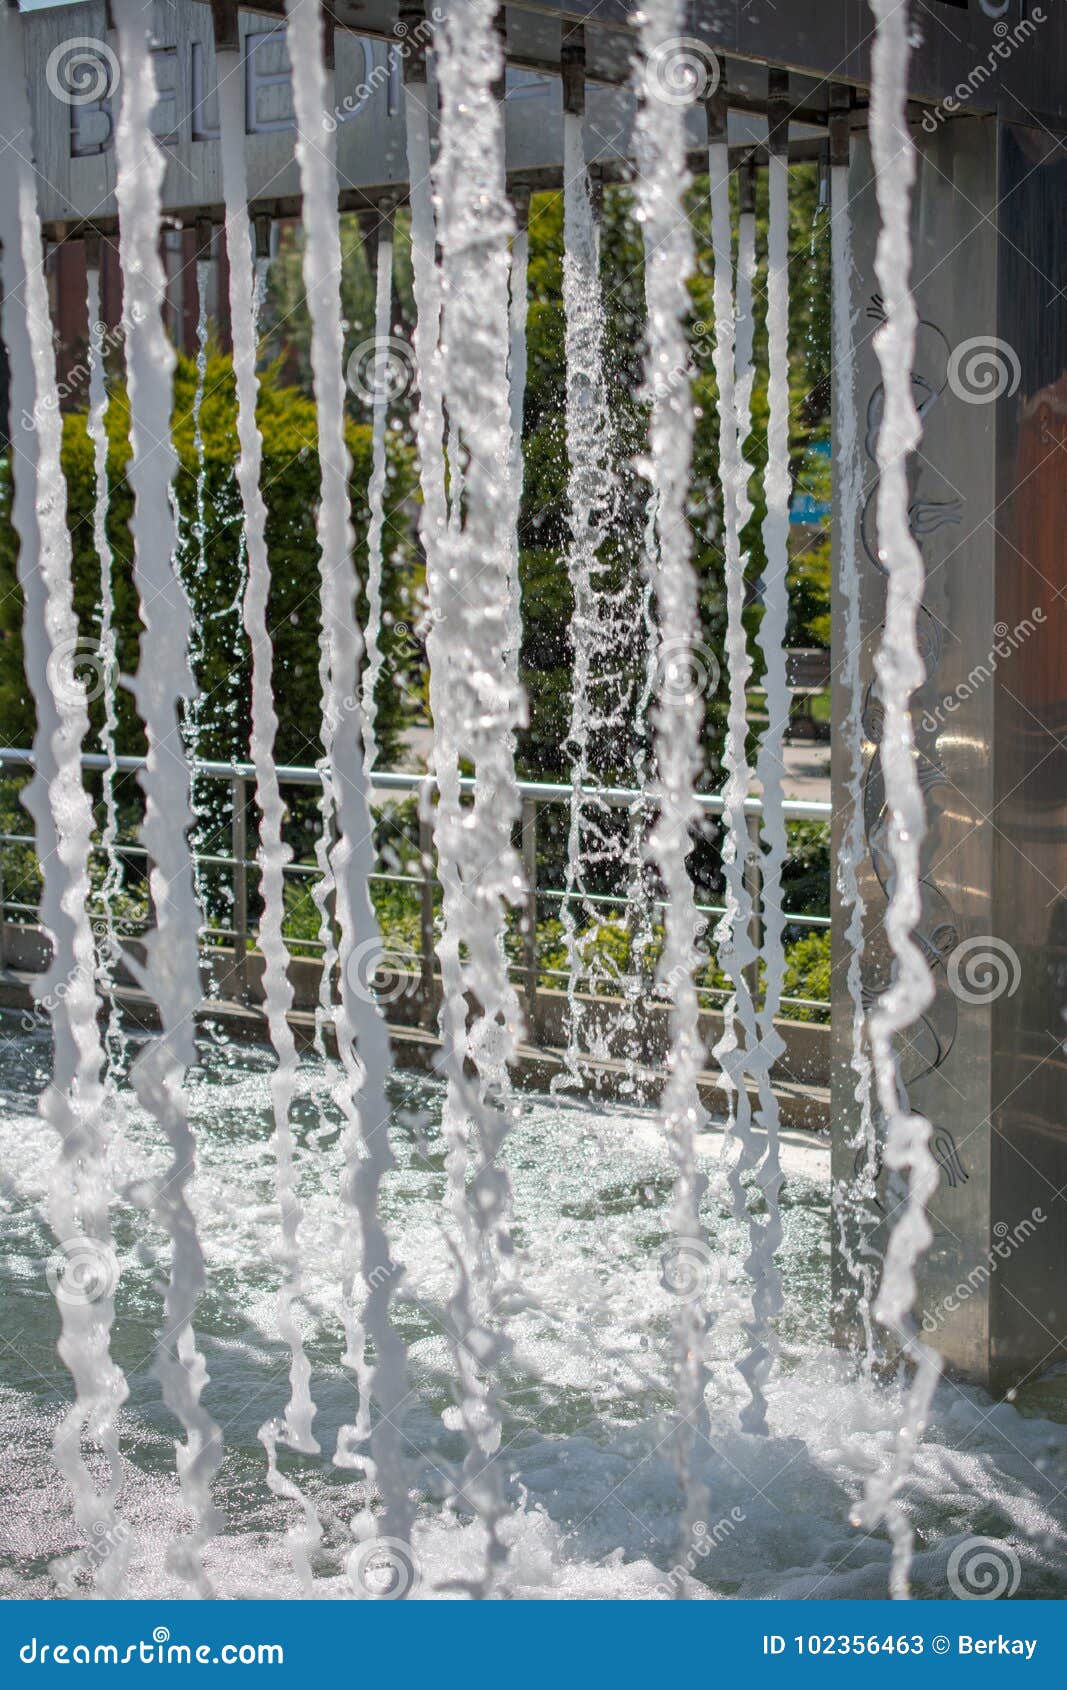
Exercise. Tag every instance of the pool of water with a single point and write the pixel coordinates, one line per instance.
(586, 1394)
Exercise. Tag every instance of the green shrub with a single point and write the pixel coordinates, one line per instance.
(290, 482)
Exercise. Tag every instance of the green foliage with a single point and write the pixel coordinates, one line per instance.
(290, 482)
(806, 881)
(807, 974)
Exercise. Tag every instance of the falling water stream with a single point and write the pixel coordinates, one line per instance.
(370, 1276)
(599, 627)
(475, 224)
(677, 712)
(472, 1344)
(770, 767)
(196, 586)
(493, 1286)
(84, 1271)
(383, 310)
(899, 669)
(295, 1426)
(162, 688)
(854, 1202)
(109, 948)
(517, 373)
(447, 818)
(737, 953)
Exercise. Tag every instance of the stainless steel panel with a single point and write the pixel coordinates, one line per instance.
(991, 624)
(1029, 820)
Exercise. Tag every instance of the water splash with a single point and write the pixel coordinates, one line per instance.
(900, 672)
(362, 1040)
(677, 714)
(73, 1103)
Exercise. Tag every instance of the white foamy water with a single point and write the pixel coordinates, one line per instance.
(588, 1478)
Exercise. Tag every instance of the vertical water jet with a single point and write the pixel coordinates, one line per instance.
(383, 354)
(900, 672)
(163, 689)
(376, 1445)
(294, 1428)
(85, 1275)
(677, 713)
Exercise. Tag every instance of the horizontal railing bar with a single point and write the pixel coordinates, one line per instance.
(545, 792)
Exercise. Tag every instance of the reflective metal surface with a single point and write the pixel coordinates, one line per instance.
(984, 1065)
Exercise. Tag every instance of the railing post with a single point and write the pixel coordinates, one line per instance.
(529, 937)
(239, 853)
(426, 889)
(754, 885)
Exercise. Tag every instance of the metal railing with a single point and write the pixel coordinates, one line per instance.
(534, 797)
